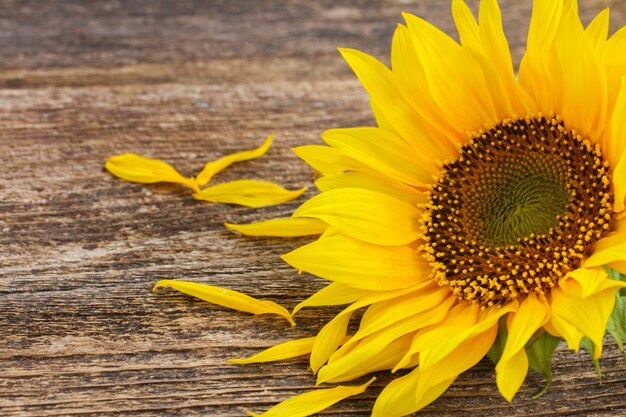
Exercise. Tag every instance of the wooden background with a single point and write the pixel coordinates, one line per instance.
(189, 81)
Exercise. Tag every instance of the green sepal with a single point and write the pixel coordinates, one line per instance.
(495, 352)
(590, 347)
(540, 352)
(616, 325)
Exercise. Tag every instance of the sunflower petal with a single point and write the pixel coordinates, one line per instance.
(366, 215)
(328, 160)
(226, 298)
(609, 250)
(539, 71)
(454, 77)
(597, 32)
(249, 193)
(287, 227)
(280, 352)
(372, 181)
(589, 316)
(513, 365)
(137, 168)
(361, 265)
(382, 151)
(335, 293)
(328, 340)
(584, 91)
(382, 87)
(213, 167)
(312, 402)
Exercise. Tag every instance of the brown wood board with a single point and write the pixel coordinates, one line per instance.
(187, 82)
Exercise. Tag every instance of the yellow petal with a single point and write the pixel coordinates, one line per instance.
(333, 294)
(588, 316)
(456, 81)
(584, 93)
(286, 227)
(328, 340)
(371, 355)
(431, 306)
(361, 265)
(409, 73)
(384, 152)
(539, 69)
(137, 168)
(463, 357)
(614, 147)
(372, 181)
(607, 251)
(312, 402)
(398, 397)
(249, 193)
(489, 46)
(328, 160)
(213, 167)
(366, 215)
(597, 32)
(380, 83)
(585, 282)
(435, 352)
(226, 298)
(280, 352)
(510, 370)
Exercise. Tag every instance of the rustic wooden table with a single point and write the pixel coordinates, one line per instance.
(188, 81)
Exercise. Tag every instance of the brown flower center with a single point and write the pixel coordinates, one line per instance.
(518, 209)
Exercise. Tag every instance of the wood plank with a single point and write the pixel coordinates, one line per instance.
(187, 82)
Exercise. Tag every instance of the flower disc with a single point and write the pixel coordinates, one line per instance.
(516, 210)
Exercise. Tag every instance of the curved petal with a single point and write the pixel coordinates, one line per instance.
(584, 91)
(379, 82)
(335, 293)
(226, 298)
(384, 152)
(280, 352)
(588, 316)
(614, 147)
(539, 69)
(410, 75)
(327, 160)
(488, 44)
(286, 227)
(328, 340)
(249, 193)
(366, 215)
(312, 402)
(372, 181)
(513, 365)
(456, 81)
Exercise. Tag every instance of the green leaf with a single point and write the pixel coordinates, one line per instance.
(588, 345)
(540, 352)
(495, 352)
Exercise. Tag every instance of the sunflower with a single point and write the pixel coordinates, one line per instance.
(484, 213)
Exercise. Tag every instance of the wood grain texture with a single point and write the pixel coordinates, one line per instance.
(187, 82)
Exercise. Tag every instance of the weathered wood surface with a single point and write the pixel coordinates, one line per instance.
(188, 81)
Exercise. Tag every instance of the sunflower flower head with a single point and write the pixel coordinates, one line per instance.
(484, 214)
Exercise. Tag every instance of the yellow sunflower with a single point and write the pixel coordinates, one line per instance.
(482, 214)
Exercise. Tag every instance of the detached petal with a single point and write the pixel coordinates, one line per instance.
(249, 193)
(137, 168)
(312, 402)
(226, 298)
(280, 352)
(212, 168)
(288, 227)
